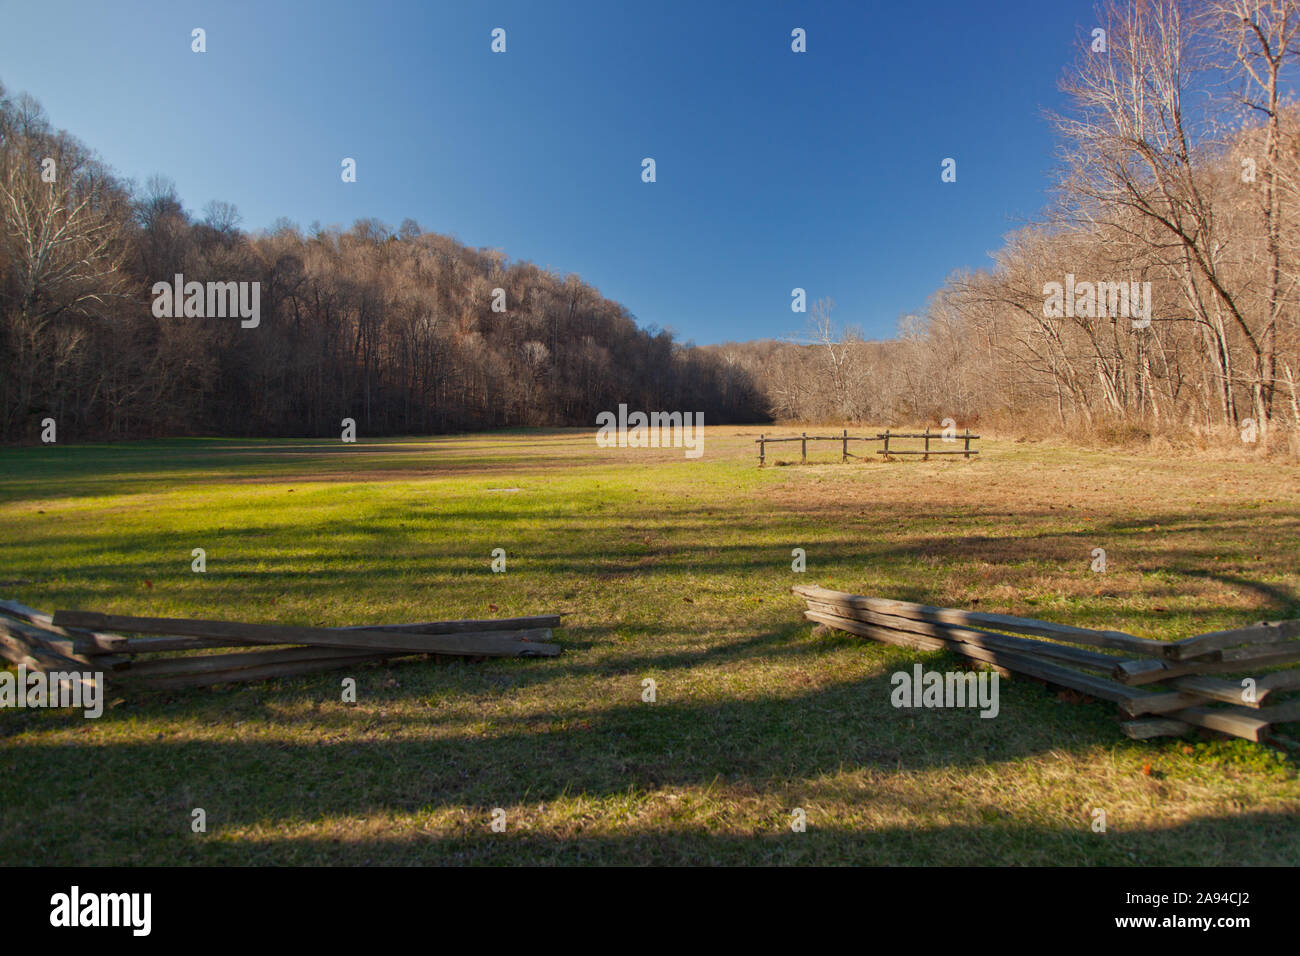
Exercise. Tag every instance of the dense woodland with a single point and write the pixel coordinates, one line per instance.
(394, 329)
(1180, 167)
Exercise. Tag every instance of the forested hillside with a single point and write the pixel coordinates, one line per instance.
(1158, 293)
(394, 328)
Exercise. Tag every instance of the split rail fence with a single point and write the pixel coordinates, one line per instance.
(884, 437)
(1162, 688)
(175, 655)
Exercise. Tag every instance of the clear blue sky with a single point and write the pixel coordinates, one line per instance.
(775, 169)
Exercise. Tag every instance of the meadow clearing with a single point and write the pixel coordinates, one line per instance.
(666, 568)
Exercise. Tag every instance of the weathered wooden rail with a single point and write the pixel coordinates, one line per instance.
(87, 644)
(885, 437)
(1162, 688)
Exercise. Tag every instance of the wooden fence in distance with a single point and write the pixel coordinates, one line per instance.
(884, 437)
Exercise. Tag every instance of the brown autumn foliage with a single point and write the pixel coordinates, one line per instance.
(394, 329)
(1180, 167)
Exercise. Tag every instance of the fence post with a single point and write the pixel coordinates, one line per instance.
(926, 456)
(886, 442)
(966, 457)
(762, 444)
(845, 451)
(804, 446)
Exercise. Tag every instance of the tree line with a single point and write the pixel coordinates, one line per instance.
(1179, 171)
(1159, 291)
(395, 329)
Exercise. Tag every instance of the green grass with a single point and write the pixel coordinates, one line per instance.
(665, 568)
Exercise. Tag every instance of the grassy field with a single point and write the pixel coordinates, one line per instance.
(668, 569)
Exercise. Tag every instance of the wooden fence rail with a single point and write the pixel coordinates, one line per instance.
(1161, 687)
(886, 436)
(80, 643)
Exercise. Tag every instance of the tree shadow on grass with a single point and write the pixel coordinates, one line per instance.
(129, 794)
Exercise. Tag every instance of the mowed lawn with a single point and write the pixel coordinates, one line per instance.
(665, 568)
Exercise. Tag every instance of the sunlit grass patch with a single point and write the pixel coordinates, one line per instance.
(666, 569)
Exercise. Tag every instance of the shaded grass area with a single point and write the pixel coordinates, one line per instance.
(666, 569)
